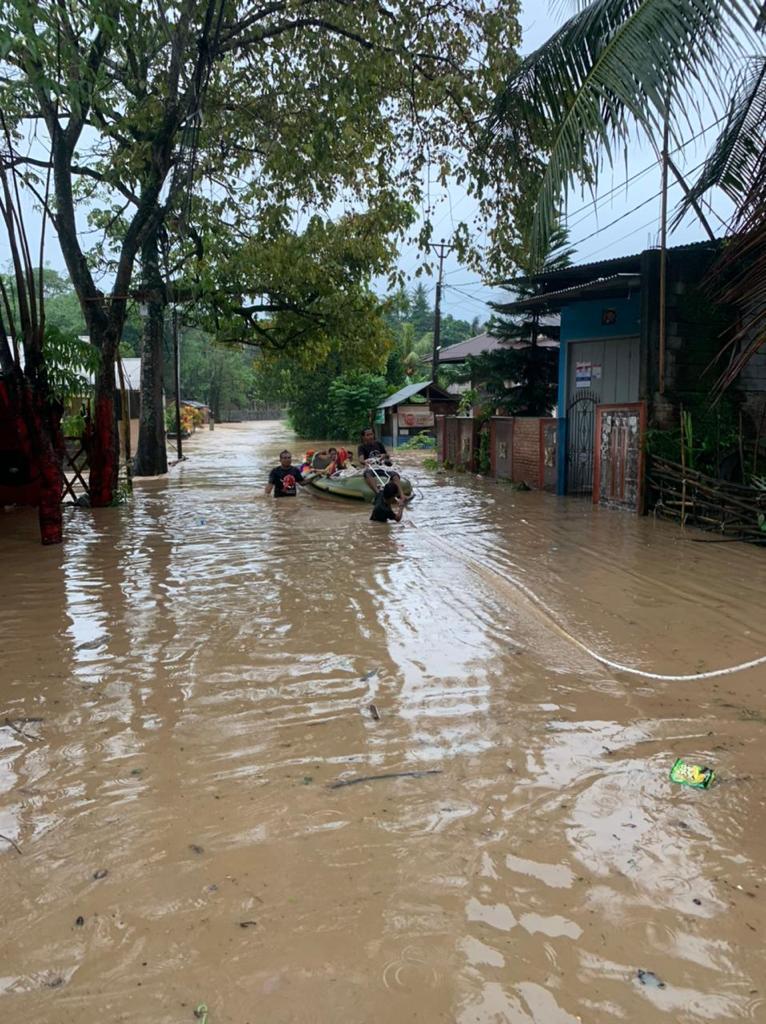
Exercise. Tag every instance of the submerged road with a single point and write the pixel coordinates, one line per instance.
(187, 677)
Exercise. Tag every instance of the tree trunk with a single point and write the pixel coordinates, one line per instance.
(151, 453)
(51, 486)
(39, 436)
(104, 453)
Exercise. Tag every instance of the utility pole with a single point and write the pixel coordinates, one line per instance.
(441, 249)
(177, 375)
(663, 251)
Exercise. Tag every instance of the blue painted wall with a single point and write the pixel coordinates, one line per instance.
(581, 321)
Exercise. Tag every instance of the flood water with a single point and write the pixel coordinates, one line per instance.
(192, 671)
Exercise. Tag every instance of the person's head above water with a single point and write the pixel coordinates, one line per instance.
(390, 491)
(285, 458)
(333, 453)
(368, 435)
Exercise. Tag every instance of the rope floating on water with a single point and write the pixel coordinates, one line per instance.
(553, 618)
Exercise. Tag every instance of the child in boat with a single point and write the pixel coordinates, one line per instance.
(387, 504)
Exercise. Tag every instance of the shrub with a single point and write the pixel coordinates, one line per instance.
(416, 443)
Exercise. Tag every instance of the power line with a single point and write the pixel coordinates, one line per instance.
(471, 298)
(627, 213)
(642, 227)
(590, 207)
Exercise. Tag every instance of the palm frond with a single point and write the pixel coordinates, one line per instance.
(741, 277)
(732, 162)
(607, 71)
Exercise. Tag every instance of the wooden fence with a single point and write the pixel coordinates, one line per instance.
(691, 498)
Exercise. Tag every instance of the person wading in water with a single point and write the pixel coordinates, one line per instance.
(284, 477)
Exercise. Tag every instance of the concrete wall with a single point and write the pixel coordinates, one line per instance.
(521, 449)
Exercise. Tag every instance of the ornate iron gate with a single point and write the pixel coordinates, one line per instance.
(581, 438)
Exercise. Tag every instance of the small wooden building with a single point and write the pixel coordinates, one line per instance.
(412, 410)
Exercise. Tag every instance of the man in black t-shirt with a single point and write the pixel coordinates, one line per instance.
(371, 448)
(284, 477)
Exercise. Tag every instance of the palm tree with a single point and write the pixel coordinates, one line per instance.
(618, 68)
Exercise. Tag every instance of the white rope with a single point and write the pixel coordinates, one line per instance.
(551, 615)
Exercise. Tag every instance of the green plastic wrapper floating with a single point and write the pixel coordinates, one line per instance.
(691, 775)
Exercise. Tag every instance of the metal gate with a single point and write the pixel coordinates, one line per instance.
(581, 435)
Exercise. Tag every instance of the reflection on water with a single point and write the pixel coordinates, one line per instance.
(204, 660)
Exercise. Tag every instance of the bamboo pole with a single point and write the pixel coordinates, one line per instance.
(683, 469)
(663, 248)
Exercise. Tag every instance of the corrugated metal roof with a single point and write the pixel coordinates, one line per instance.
(609, 283)
(404, 393)
(611, 261)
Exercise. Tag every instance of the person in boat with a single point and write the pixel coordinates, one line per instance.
(371, 449)
(387, 505)
(321, 460)
(342, 459)
(284, 477)
(305, 466)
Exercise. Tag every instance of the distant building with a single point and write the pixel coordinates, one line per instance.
(412, 410)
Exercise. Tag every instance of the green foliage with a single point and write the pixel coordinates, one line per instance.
(325, 402)
(352, 400)
(421, 313)
(417, 442)
(70, 364)
(314, 284)
(533, 371)
(410, 319)
(467, 401)
(222, 377)
(73, 426)
(708, 435)
(431, 464)
(485, 464)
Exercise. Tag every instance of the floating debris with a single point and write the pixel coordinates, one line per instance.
(387, 775)
(694, 775)
(13, 843)
(649, 978)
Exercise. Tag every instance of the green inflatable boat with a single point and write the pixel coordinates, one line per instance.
(351, 485)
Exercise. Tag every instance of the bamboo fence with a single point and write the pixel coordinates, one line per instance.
(693, 499)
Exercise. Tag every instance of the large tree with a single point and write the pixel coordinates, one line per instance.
(302, 104)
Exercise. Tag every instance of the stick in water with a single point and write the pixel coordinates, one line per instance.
(14, 844)
(386, 775)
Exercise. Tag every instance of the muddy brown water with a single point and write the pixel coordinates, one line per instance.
(203, 661)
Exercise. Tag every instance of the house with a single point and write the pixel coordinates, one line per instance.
(618, 370)
(411, 410)
(547, 328)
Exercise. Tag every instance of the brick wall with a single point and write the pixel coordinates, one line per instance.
(526, 450)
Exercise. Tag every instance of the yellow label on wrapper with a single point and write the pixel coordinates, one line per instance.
(691, 775)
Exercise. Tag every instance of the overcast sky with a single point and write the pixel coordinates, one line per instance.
(625, 219)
